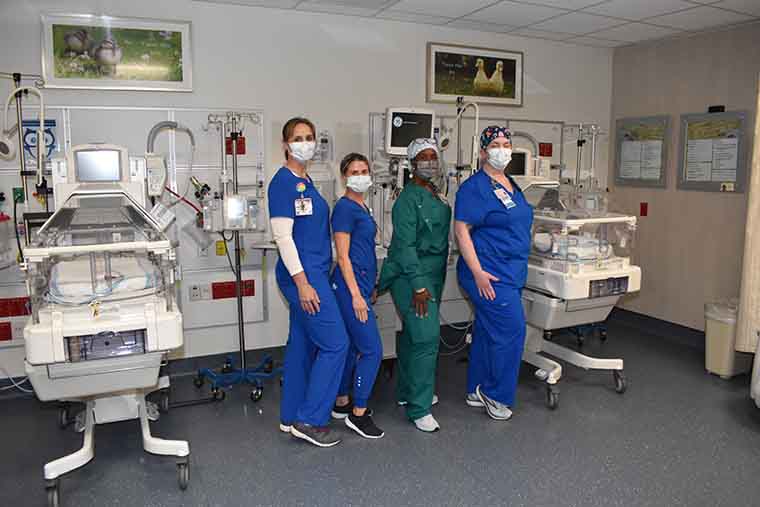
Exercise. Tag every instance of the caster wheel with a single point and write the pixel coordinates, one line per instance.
(218, 394)
(269, 366)
(580, 340)
(163, 404)
(53, 494)
(552, 396)
(603, 335)
(183, 474)
(548, 335)
(621, 383)
(63, 417)
(198, 381)
(257, 394)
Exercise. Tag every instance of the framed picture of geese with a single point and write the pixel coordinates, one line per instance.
(109, 53)
(483, 75)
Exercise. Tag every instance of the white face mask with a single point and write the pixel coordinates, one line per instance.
(359, 183)
(303, 151)
(499, 158)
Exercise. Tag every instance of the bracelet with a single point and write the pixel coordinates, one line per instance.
(420, 291)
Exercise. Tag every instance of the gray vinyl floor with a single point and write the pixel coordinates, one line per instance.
(678, 436)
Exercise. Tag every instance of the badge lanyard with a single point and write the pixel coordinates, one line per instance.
(304, 205)
(502, 195)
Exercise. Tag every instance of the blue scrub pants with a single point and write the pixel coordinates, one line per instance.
(366, 349)
(314, 356)
(498, 339)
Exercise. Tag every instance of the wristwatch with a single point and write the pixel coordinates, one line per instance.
(420, 291)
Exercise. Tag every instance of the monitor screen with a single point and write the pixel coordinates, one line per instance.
(406, 126)
(517, 165)
(98, 165)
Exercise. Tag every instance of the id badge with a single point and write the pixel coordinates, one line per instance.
(304, 207)
(504, 197)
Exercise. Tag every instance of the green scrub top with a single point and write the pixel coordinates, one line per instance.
(420, 245)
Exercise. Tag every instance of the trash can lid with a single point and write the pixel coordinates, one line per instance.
(722, 310)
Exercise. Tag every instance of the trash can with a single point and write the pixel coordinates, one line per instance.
(721, 357)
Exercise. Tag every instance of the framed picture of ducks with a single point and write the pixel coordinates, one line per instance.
(108, 53)
(483, 75)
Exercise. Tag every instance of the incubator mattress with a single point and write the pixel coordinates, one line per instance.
(70, 281)
(576, 248)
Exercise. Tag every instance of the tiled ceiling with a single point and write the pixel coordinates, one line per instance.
(601, 23)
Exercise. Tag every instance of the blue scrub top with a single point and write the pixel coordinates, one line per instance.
(350, 217)
(311, 233)
(501, 236)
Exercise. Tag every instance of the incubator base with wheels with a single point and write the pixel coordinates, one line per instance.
(113, 408)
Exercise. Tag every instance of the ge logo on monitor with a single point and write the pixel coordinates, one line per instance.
(398, 121)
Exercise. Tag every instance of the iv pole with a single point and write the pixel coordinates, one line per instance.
(229, 375)
(236, 236)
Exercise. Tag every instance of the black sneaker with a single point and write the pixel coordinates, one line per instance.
(364, 425)
(341, 412)
(321, 437)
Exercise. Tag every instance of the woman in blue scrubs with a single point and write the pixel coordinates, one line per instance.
(353, 280)
(317, 342)
(492, 225)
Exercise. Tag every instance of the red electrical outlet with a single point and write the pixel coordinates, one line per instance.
(240, 145)
(14, 307)
(224, 290)
(643, 209)
(6, 332)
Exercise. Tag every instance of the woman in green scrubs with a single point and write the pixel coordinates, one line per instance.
(414, 271)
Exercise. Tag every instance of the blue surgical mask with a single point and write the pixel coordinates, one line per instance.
(427, 170)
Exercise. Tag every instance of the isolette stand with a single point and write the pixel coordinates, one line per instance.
(229, 374)
(550, 371)
(106, 409)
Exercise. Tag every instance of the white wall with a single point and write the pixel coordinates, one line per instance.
(332, 69)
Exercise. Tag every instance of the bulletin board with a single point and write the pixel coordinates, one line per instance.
(642, 151)
(713, 152)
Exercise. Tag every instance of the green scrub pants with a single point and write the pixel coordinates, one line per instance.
(416, 349)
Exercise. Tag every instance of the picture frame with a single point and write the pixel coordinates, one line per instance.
(713, 152)
(482, 75)
(642, 151)
(82, 51)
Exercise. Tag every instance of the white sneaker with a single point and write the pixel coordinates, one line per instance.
(495, 409)
(405, 403)
(285, 428)
(472, 400)
(427, 424)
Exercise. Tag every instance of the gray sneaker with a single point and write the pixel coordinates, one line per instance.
(472, 400)
(496, 410)
(321, 437)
